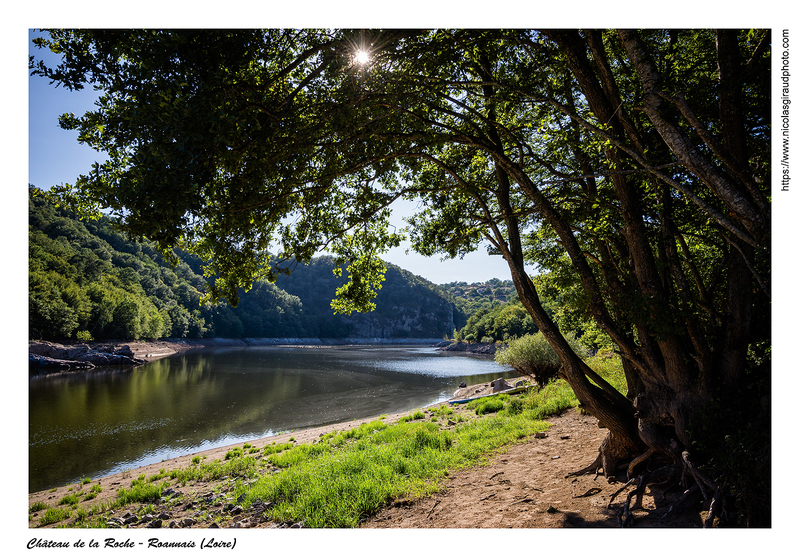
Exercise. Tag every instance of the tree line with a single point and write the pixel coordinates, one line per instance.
(89, 280)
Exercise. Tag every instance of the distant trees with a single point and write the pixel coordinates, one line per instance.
(88, 280)
(497, 324)
(494, 313)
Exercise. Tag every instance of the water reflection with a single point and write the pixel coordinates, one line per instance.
(98, 423)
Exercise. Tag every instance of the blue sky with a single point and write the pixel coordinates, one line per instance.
(56, 157)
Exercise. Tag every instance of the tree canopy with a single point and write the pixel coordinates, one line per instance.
(633, 165)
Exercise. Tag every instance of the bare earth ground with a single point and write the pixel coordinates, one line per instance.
(524, 486)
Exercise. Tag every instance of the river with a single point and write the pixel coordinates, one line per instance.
(107, 421)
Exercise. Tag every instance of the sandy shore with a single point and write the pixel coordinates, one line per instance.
(159, 349)
(154, 350)
(111, 483)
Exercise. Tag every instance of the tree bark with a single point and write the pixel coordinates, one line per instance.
(680, 145)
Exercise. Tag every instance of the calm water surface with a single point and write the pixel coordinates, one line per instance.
(103, 422)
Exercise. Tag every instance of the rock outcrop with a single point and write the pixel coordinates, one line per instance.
(471, 347)
(58, 357)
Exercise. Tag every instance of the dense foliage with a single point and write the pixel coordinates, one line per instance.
(492, 312)
(471, 297)
(89, 280)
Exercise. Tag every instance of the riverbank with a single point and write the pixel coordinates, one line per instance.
(53, 357)
(522, 485)
(484, 348)
(104, 489)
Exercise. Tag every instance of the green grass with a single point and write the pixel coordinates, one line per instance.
(342, 479)
(141, 491)
(71, 499)
(276, 448)
(486, 405)
(51, 516)
(240, 466)
(345, 477)
(96, 488)
(234, 453)
(418, 415)
(162, 473)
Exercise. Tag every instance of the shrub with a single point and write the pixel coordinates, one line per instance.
(487, 406)
(533, 355)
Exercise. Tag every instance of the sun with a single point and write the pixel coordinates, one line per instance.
(361, 57)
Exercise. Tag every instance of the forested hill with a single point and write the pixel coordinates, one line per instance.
(89, 281)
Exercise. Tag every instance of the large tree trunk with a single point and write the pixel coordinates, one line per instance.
(671, 370)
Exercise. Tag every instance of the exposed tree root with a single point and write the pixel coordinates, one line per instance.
(626, 517)
(693, 490)
(679, 470)
(610, 454)
(684, 473)
(639, 459)
(717, 499)
(593, 468)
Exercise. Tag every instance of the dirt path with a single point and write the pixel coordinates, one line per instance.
(526, 487)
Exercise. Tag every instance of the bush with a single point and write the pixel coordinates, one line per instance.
(487, 405)
(533, 355)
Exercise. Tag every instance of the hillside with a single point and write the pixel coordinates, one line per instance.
(407, 306)
(469, 298)
(87, 280)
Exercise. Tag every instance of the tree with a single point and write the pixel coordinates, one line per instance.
(633, 165)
